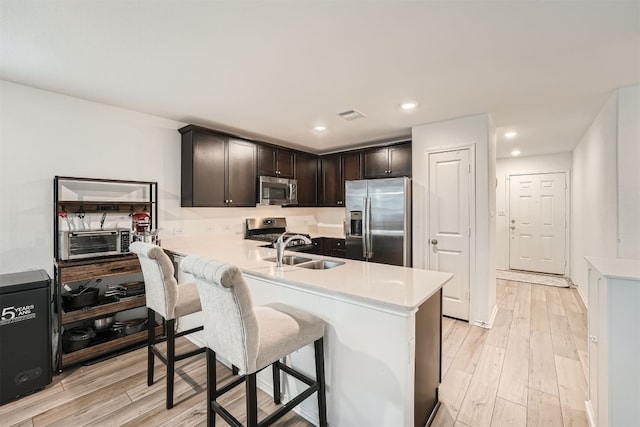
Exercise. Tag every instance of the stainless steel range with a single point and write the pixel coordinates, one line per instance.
(269, 229)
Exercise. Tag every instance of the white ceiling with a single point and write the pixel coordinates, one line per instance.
(274, 69)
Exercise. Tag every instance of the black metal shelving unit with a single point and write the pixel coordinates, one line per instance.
(80, 195)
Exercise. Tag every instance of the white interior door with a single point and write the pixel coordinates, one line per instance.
(449, 229)
(537, 222)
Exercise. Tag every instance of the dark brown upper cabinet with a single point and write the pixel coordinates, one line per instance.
(335, 170)
(217, 170)
(387, 162)
(307, 176)
(274, 161)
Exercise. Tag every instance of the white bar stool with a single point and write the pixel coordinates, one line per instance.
(253, 338)
(170, 300)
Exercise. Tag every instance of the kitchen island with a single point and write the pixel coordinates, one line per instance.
(383, 335)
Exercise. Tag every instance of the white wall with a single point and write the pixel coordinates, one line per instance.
(629, 172)
(533, 164)
(44, 134)
(479, 132)
(593, 201)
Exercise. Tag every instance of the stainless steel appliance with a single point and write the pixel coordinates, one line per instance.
(93, 243)
(269, 229)
(378, 220)
(277, 191)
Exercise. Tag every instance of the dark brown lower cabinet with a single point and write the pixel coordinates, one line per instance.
(428, 368)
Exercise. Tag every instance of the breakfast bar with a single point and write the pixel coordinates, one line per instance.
(383, 336)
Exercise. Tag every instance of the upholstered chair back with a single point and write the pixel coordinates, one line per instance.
(230, 323)
(161, 287)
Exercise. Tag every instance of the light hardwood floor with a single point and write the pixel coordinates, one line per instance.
(114, 392)
(528, 370)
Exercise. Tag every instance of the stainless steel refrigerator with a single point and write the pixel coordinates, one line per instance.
(378, 220)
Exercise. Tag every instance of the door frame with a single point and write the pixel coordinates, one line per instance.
(567, 214)
(472, 218)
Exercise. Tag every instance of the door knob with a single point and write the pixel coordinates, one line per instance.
(513, 227)
(434, 242)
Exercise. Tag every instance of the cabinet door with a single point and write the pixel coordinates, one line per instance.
(335, 248)
(400, 160)
(208, 170)
(376, 163)
(285, 163)
(317, 246)
(307, 176)
(267, 161)
(241, 176)
(351, 167)
(330, 169)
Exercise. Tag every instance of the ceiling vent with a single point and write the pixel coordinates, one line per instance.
(351, 115)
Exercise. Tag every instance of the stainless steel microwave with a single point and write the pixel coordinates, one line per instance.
(93, 243)
(277, 191)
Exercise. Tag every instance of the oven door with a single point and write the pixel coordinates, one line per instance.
(89, 244)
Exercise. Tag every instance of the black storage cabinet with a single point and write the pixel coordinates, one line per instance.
(25, 333)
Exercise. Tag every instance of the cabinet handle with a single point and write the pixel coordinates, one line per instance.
(230, 201)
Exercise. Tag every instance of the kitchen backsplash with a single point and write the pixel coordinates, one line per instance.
(231, 221)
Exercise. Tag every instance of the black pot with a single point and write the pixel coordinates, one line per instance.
(74, 300)
(76, 339)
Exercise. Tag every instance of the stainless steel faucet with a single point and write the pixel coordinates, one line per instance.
(282, 244)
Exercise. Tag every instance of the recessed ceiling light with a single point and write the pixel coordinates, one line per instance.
(515, 152)
(408, 105)
(320, 128)
(510, 135)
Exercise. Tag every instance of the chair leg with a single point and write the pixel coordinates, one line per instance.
(211, 387)
(276, 383)
(171, 359)
(151, 340)
(322, 398)
(252, 400)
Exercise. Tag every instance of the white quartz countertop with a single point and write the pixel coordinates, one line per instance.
(395, 287)
(616, 267)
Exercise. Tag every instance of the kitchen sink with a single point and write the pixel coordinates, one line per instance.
(290, 259)
(311, 264)
(320, 264)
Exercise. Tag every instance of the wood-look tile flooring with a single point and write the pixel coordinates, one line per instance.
(114, 392)
(528, 370)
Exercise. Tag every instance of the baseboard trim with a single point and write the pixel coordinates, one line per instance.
(584, 300)
(590, 415)
(489, 324)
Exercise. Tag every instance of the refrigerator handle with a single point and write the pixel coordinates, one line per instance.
(366, 248)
